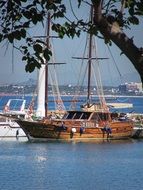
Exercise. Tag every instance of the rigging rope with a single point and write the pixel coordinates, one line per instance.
(115, 63)
(59, 105)
(78, 86)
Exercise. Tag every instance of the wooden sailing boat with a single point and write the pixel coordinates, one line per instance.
(79, 125)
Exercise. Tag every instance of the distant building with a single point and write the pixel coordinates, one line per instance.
(130, 87)
(140, 87)
(122, 88)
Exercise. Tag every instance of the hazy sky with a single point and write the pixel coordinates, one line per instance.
(64, 50)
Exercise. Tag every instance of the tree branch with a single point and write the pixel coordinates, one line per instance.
(115, 34)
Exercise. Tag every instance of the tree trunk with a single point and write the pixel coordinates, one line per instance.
(116, 35)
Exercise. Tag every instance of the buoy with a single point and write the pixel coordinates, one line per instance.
(73, 130)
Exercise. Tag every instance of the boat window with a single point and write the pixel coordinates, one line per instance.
(2, 119)
(78, 115)
(103, 116)
(70, 115)
(86, 115)
(22, 116)
(114, 115)
(95, 117)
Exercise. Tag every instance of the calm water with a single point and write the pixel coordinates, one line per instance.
(115, 165)
(136, 101)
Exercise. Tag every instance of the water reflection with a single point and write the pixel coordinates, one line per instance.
(74, 165)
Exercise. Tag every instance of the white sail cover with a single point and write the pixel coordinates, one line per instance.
(40, 112)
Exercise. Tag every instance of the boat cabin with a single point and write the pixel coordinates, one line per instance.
(82, 115)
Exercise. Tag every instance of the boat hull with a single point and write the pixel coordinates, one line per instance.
(10, 129)
(8, 132)
(14, 108)
(137, 132)
(53, 130)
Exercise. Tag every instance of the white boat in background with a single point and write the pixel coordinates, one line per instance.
(14, 108)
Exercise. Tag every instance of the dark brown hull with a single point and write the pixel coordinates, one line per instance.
(53, 130)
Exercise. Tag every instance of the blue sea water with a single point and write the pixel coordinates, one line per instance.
(136, 101)
(104, 165)
(115, 165)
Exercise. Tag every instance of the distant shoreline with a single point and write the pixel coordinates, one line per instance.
(72, 95)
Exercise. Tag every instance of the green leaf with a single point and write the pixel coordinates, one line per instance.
(34, 20)
(134, 20)
(25, 51)
(37, 48)
(18, 2)
(78, 33)
(1, 37)
(24, 58)
(40, 41)
(32, 63)
(79, 3)
(37, 64)
(24, 47)
(10, 6)
(17, 35)
(41, 60)
(23, 33)
(61, 34)
(47, 54)
(30, 67)
(10, 37)
(29, 40)
(2, 3)
(27, 14)
(131, 10)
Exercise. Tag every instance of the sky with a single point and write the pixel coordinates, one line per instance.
(12, 72)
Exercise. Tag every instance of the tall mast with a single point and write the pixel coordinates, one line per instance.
(89, 62)
(89, 59)
(46, 66)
